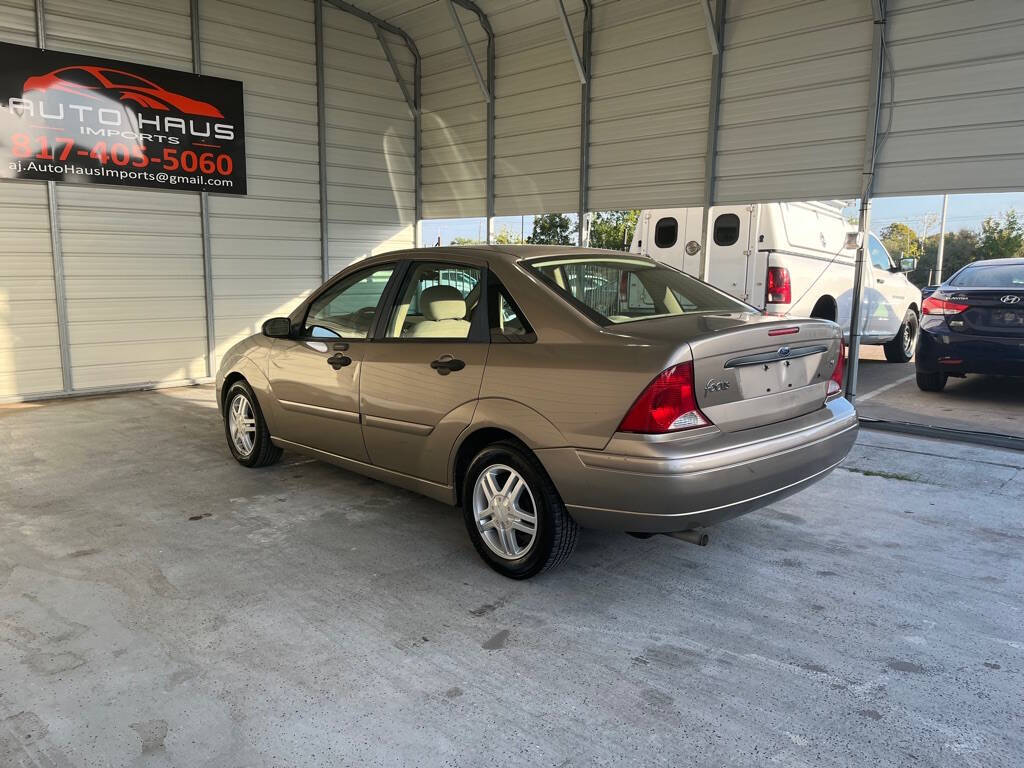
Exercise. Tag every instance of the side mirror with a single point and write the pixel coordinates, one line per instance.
(908, 265)
(277, 328)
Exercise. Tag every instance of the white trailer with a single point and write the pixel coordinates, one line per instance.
(790, 259)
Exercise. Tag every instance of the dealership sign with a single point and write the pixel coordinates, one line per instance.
(79, 119)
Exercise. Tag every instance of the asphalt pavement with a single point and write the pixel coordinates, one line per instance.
(889, 391)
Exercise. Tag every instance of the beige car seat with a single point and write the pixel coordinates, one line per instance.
(444, 312)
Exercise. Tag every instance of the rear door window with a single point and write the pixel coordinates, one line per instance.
(727, 229)
(666, 232)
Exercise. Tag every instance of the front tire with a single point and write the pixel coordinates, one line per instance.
(246, 429)
(901, 348)
(513, 513)
(931, 382)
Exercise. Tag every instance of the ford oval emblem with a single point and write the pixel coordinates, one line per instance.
(783, 352)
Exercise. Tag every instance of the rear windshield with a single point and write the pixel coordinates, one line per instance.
(990, 276)
(620, 290)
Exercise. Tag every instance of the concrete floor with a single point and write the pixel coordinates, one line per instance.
(162, 606)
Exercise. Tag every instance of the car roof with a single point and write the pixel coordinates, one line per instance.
(492, 253)
(1013, 261)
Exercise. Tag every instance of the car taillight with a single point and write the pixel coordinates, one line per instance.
(668, 404)
(835, 383)
(780, 289)
(936, 305)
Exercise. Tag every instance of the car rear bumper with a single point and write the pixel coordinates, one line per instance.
(712, 481)
(942, 350)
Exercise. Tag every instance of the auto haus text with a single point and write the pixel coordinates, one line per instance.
(123, 123)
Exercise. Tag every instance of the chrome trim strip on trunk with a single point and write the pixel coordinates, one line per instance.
(771, 357)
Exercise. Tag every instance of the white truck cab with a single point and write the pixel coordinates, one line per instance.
(789, 259)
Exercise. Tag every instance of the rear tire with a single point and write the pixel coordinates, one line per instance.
(245, 428)
(901, 348)
(931, 382)
(504, 487)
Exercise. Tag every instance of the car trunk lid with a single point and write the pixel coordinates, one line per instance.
(990, 311)
(751, 370)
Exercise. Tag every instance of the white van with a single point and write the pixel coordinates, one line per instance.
(790, 259)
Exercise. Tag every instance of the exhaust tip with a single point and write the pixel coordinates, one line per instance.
(700, 538)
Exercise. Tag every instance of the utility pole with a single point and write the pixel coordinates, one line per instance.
(942, 241)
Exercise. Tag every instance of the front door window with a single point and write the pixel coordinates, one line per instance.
(347, 310)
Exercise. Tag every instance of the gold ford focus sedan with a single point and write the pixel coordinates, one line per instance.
(544, 389)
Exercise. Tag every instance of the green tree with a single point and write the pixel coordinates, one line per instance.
(507, 237)
(1001, 239)
(553, 229)
(901, 241)
(613, 229)
(464, 241)
(961, 249)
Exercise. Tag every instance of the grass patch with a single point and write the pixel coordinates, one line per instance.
(886, 475)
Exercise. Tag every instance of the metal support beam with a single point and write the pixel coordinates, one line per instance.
(416, 102)
(583, 238)
(56, 247)
(468, 49)
(204, 214)
(488, 91)
(711, 150)
(709, 22)
(409, 98)
(867, 184)
(321, 138)
(581, 68)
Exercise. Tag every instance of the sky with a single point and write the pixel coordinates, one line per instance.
(965, 211)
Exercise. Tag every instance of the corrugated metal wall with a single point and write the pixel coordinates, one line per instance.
(132, 258)
(649, 104)
(370, 146)
(793, 110)
(957, 100)
(795, 82)
(29, 347)
(266, 245)
(537, 110)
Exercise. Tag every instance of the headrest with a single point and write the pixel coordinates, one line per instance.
(442, 302)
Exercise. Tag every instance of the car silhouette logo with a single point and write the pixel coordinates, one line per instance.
(102, 82)
(1010, 299)
(783, 352)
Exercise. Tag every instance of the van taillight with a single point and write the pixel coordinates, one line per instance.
(668, 404)
(780, 289)
(835, 383)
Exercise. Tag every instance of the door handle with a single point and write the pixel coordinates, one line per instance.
(446, 364)
(339, 361)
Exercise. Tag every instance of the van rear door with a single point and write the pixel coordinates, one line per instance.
(732, 235)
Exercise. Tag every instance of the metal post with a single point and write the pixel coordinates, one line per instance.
(488, 91)
(712, 143)
(204, 213)
(867, 183)
(942, 241)
(588, 35)
(56, 246)
(321, 138)
(581, 68)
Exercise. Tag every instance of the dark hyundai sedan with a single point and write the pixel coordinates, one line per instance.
(973, 323)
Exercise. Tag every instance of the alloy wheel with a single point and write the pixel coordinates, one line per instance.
(505, 511)
(242, 424)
